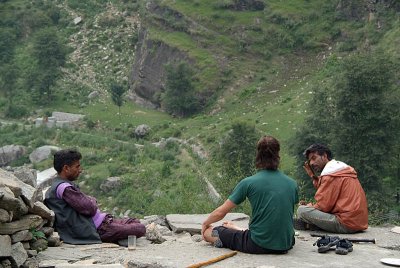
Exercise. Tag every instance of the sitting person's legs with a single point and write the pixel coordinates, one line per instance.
(233, 237)
(325, 221)
(113, 230)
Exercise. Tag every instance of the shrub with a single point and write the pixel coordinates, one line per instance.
(16, 111)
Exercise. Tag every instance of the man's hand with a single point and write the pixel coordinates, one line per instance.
(304, 203)
(204, 227)
(309, 170)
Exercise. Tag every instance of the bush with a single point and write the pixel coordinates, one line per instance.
(16, 111)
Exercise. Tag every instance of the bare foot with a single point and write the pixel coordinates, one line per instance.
(231, 225)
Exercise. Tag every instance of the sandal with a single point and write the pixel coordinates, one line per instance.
(343, 247)
(326, 242)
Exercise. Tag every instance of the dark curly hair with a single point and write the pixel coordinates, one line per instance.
(318, 148)
(267, 156)
(65, 157)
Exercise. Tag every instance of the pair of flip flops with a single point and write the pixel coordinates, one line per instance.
(341, 246)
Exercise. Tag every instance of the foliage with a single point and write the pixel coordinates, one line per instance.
(37, 234)
(357, 117)
(117, 92)
(50, 55)
(366, 127)
(180, 96)
(237, 152)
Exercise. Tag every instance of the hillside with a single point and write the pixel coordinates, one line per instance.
(254, 61)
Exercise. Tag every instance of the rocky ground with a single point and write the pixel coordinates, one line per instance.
(183, 247)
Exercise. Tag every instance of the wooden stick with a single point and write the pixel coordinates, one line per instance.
(210, 261)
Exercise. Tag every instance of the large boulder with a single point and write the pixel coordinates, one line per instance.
(26, 175)
(110, 184)
(43, 153)
(25, 223)
(142, 130)
(19, 188)
(10, 153)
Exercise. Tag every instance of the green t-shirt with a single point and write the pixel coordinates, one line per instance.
(272, 196)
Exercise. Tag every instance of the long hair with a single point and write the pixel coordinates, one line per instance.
(267, 156)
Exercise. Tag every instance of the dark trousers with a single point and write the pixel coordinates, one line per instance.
(241, 241)
(112, 230)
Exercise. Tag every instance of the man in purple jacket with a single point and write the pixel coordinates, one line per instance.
(78, 219)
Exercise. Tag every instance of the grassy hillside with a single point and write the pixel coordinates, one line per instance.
(261, 66)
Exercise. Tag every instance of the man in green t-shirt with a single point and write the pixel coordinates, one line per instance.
(272, 196)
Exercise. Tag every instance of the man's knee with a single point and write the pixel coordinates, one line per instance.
(301, 210)
(141, 230)
(208, 235)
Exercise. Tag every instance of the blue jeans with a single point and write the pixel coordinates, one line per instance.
(325, 221)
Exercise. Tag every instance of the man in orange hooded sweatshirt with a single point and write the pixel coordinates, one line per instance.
(341, 205)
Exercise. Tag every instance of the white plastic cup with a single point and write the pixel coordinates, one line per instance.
(131, 242)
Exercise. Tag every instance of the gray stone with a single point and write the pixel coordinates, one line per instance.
(25, 223)
(48, 231)
(5, 246)
(93, 95)
(40, 209)
(18, 254)
(14, 205)
(26, 175)
(153, 234)
(5, 216)
(67, 253)
(77, 20)
(31, 263)
(192, 222)
(19, 188)
(26, 245)
(60, 116)
(182, 252)
(164, 230)
(21, 210)
(6, 263)
(20, 236)
(39, 244)
(10, 153)
(110, 184)
(197, 238)
(53, 241)
(158, 219)
(142, 130)
(42, 153)
(32, 253)
(46, 177)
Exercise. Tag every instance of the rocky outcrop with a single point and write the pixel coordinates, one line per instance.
(10, 153)
(23, 223)
(59, 119)
(111, 184)
(148, 74)
(43, 153)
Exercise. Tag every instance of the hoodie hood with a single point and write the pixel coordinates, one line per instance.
(338, 168)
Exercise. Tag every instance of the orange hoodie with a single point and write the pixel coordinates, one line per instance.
(339, 192)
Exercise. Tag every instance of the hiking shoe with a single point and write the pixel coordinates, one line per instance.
(218, 242)
(299, 224)
(343, 247)
(326, 242)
